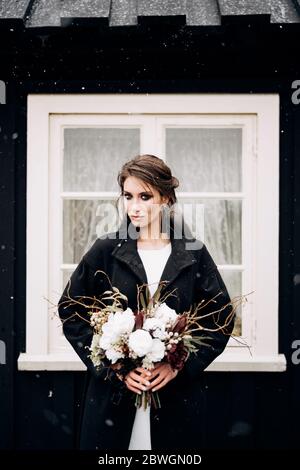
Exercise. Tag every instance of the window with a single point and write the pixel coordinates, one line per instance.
(225, 151)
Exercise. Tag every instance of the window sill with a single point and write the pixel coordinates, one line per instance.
(226, 362)
(230, 362)
(53, 361)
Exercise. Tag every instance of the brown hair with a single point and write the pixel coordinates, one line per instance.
(151, 170)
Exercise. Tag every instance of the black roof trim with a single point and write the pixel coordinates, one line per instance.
(116, 13)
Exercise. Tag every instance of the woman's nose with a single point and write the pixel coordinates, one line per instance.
(135, 205)
(136, 208)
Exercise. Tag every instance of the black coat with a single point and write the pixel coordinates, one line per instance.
(108, 407)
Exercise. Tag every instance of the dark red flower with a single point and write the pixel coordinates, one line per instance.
(180, 324)
(177, 355)
(139, 319)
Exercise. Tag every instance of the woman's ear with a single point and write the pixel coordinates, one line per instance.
(165, 200)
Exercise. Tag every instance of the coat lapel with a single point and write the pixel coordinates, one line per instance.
(179, 259)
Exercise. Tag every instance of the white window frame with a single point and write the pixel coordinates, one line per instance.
(261, 110)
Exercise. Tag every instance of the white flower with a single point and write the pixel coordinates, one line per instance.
(95, 341)
(96, 360)
(165, 313)
(140, 342)
(157, 352)
(124, 321)
(113, 355)
(147, 363)
(118, 324)
(156, 326)
(106, 341)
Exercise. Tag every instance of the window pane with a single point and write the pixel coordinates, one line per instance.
(233, 282)
(66, 274)
(64, 278)
(83, 222)
(222, 226)
(93, 157)
(205, 159)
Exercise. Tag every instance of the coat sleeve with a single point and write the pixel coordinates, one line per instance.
(208, 285)
(77, 329)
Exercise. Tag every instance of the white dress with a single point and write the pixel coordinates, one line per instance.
(154, 262)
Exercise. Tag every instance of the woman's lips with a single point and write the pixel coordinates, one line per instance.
(136, 217)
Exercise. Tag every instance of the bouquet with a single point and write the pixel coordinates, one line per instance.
(124, 339)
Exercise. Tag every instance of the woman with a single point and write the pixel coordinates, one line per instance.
(149, 247)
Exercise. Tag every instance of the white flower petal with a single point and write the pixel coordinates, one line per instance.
(157, 351)
(140, 341)
(165, 313)
(113, 355)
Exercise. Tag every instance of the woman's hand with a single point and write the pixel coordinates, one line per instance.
(134, 381)
(138, 382)
(162, 374)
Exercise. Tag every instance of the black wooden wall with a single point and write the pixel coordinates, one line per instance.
(245, 410)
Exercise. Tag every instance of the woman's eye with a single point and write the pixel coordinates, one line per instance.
(145, 197)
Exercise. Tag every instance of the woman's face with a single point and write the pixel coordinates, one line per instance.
(142, 202)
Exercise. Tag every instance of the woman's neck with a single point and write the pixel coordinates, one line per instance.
(152, 234)
(155, 244)
(152, 237)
